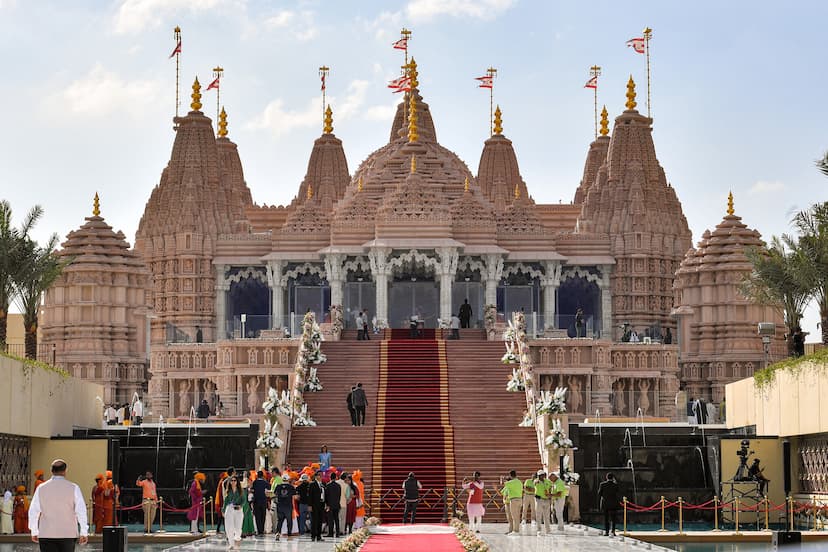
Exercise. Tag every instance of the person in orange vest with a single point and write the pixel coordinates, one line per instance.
(98, 504)
(112, 495)
(38, 479)
(360, 499)
(21, 511)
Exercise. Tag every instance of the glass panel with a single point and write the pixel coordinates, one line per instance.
(311, 298)
(359, 296)
(407, 298)
(516, 298)
(474, 292)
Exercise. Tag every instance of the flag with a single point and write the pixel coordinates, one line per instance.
(401, 44)
(636, 44)
(402, 84)
(214, 84)
(323, 82)
(177, 49)
(485, 82)
(592, 83)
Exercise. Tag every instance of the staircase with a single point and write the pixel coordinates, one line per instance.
(485, 418)
(348, 362)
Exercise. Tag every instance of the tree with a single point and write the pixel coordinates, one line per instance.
(40, 267)
(776, 280)
(12, 241)
(822, 164)
(812, 226)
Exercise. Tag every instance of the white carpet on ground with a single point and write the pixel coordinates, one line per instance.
(416, 529)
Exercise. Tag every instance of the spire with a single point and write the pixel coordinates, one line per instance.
(196, 105)
(631, 94)
(328, 127)
(96, 206)
(466, 185)
(222, 123)
(730, 210)
(498, 122)
(413, 164)
(604, 122)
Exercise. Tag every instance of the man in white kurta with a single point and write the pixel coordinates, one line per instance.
(57, 514)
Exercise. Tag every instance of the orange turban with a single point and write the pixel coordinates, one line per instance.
(99, 477)
(39, 473)
(357, 475)
(21, 489)
(109, 474)
(200, 477)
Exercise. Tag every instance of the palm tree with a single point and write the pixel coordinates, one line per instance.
(12, 241)
(812, 226)
(822, 164)
(776, 280)
(39, 268)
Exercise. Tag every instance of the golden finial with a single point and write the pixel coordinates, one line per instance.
(498, 122)
(96, 206)
(328, 128)
(413, 164)
(517, 190)
(604, 122)
(631, 94)
(730, 210)
(359, 184)
(196, 105)
(177, 30)
(412, 73)
(466, 185)
(222, 123)
(412, 118)
(310, 191)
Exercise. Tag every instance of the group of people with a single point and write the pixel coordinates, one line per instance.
(363, 325)
(539, 495)
(357, 401)
(115, 414)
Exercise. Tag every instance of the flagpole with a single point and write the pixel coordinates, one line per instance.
(406, 34)
(177, 38)
(595, 71)
(492, 72)
(323, 72)
(648, 33)
(217, 73)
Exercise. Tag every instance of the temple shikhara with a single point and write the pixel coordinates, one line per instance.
(619, 308)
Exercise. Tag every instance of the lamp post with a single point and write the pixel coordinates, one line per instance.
(766, 331)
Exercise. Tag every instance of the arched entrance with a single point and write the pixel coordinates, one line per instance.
(413, 290)
(360, 293)
(249, 303)
(579, 292)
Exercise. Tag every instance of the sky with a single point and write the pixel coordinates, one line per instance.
(88, 94)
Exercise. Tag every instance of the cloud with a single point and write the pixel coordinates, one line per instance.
(279, 120)
(300, 25)
(133, 16)
(100, 93)
(383, 25)
(381, 112)
(767, 186)
(425, 10)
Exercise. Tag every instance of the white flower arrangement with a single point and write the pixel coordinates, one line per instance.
(313, 384)
(372, 521)
(284, 406)
(527, 420)
(552, 403)
(270, 406)
(490, 317)
(469, 540)
(354, 541)
(569, 477)
(515, 383)
(557, 439)
(337, 320)
(510, 357)
(509, 333)
(269, 439)
(302, 418)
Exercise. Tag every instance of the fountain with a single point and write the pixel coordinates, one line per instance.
(597, 428)
(640, 414)
(701, 461)
(158, 437)
(631, 467)
(189, 443)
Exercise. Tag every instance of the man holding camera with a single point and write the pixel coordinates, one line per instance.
(149, 500)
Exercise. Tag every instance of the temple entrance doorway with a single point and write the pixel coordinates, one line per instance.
(248, 304)
(574, 293)
(406, 298)
(359, 296)
(308, 292)
(474, 292)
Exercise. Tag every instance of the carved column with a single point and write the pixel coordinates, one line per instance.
(491, 277)
(335, 276)
(222, 287)
(378, 257)
(277, 293)
(606, 302)
(551, 281)
(448, 270)
(601, 393)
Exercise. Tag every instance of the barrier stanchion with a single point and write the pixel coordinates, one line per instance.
(814, 510)
(204, 514)
(625, 516)
(736, 516)
(212, 517)
(161, 514)
(681, 518)
(790, 513)
(716, 513)
(767, 506)
(662, 515)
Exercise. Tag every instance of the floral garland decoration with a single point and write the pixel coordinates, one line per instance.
(372, 521)
(337, 321)
(313, 384)
(354, 541)
(515, 383)
(309, 353)
(269, 438)
(569, 477)
(552, 403)
(302, 418)
(490, 317)
(470, 541)
(557, 439)
(528, 420)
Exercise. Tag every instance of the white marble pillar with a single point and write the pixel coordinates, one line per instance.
(551, 281)
(222, 287)
(447, 273)
(277, 293)
(378, 258)
(335, 276)
(491, 277)
(606, 302)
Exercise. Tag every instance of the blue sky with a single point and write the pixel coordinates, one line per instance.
(738, 93)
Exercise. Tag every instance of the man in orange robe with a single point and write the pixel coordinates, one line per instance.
(98, 504)
(111, 494)
(21, 511)
(38, 480)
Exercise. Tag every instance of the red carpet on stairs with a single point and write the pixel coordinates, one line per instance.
(412, 543)
(413, 432)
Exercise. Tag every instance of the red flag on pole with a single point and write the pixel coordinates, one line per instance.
(401, 44)
(177, 49)
(401, 84)
(214, 84)
(592, 83)
(485, 82)
(323, 82)
(636, 44)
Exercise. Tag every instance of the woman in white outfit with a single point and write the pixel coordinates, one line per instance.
(474, 506)
(6, 509)
(233, 513)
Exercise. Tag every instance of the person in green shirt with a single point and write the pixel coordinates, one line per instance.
(276, 479)
(528, 501)
(512, 492)
(559, 494)
(234, 499)
(542, 497)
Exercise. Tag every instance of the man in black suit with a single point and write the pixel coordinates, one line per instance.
(465, 314)
(360, 401)
(316, 499)
(608, 491)
(333, 493)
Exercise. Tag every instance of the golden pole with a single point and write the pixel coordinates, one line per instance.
(406, 34)
(648, 34)
(492, 72)
(204, 514)
(791, 513)
(177, 37)
(681, 518)
(217, 73)
(595, 71)
(716, 513)
(625, 516)
(323, 73)
(161, 513)
(662, 515)
(767, 505)
(736, 516)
